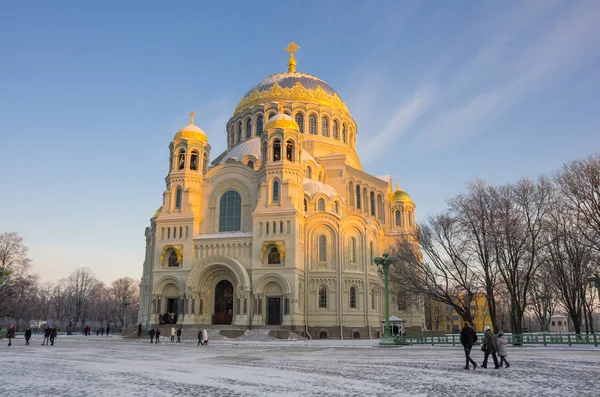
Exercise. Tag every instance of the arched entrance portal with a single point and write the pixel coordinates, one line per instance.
(223, 313)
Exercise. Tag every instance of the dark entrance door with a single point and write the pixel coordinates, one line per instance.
(223, 303)
(172, 305)
(274, 311)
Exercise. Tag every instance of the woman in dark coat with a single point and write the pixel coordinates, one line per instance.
(27, 335)
(52, 335)
(490, 346)
(10, 334)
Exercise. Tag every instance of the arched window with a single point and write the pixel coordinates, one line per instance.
(308, 172)
(410, 218)
(300, 121)
(239, 132)
(275, 191)
(178, 197)
(173, 259)
(372, 197)
(251, 164)
(352, 250)
(259, 125)
(321, 205)
(344, 133)
(336, 130)
(379, 206)
(371, 251)
(322, 297)
(281, 227)
(305, 205)
(373, 299)
(353, 297)
(312, 124)
(398, 218)
(351, 193)
(357, 196)
(289, 150)
(322, 249)
(230, 212)
(205, 164)
(181, 160)
(276, 151)
(268, 226)
(248, 128)
(194, 161)
(274, 257)
(325, 126)
(336, 207)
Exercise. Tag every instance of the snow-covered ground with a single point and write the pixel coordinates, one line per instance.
(91, 366)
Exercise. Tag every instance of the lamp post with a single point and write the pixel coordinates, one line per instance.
(383, 263)
(125, 303)
(543, 299)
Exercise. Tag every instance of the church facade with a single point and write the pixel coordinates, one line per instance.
(280, 229)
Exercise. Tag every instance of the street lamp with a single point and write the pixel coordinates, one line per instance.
(383, 263)
(125, 303)
(543, 299)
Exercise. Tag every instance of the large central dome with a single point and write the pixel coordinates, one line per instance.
(294, 87)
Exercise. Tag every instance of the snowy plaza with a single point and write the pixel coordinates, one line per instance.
(97, 366)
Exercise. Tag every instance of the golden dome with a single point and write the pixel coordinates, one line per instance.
(282, 120)
(292, 87)
(191, 131)
(402, 196)
(157, 213)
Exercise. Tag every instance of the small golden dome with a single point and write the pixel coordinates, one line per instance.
(282, 120)
(402, 196)
(157, 213)
(191, 131)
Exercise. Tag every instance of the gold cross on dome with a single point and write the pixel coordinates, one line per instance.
(280, 108)
(292, 47)
(192, 114)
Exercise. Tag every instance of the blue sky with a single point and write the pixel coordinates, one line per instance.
(443, 92)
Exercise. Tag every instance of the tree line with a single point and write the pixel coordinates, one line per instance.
(532, 247)
(73, 302)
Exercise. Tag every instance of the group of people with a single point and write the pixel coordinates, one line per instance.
(155, 335)
(49, 335)
(491, 345)
(167, 318)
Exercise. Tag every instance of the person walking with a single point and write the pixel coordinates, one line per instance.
(107, 330)
(52, 335)
(172, 334)
(152, 332)
(468, 337)
(200, 340)
(205, 336)
(157, 335)
(490, 346)
(27, 335)
(46, 335)
(502, 349)
(139, 330)
(179, 335)
(10, 334)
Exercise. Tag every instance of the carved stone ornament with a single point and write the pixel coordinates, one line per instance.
(277, 244)
(175, 248)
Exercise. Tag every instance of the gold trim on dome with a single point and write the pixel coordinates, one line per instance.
(266, 244)
(297, 93)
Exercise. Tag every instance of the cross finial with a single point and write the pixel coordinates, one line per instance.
(280, 108)
(397, 184)
(192, 114)
(291, 48)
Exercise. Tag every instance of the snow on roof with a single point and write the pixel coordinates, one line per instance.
(313, 187)
(223, 235)
(385, 178)
(249, 147)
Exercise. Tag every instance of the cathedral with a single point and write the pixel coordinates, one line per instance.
(281, 228)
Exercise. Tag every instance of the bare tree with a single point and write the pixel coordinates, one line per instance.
(433, 262)
(14, 274)
(80, 285)
(518, 239)
(542, 295)
(579, 184)
(475, 214)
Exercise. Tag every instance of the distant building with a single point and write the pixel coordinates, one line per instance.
(559, 323)
(442, 317)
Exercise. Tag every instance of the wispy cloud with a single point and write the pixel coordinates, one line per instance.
(507, 77)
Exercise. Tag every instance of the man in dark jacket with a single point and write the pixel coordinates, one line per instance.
(52, 335)
(179, 335)
(46, 335)
(27, 335)
(139, 330)
(157, 335)
(10, 334)
(152, 332)
(468, 337)
(490, 347)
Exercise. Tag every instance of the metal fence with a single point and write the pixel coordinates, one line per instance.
(514, 339)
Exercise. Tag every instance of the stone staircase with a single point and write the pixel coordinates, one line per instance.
(218, 332)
